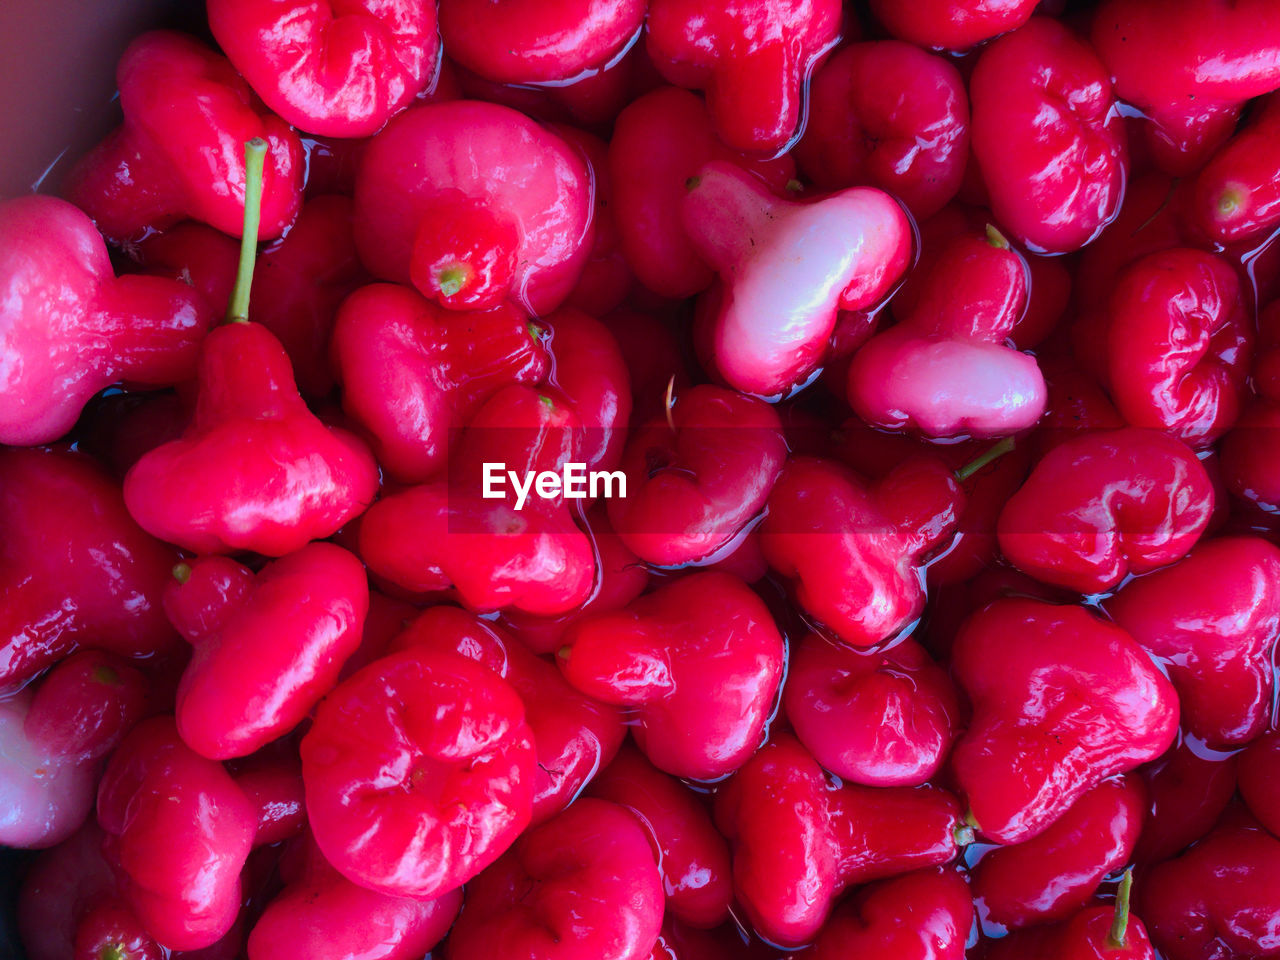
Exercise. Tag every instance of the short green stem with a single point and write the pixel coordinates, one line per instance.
(255, 157)
(1120, 925)
(996, 238)
(994, 453)
(182, 572)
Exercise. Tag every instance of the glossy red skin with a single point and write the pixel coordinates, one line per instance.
(1180, 344)
(1104, 505)
(100, 587)
(322, 914)
(110, 929)
(1236, 197)
(1188, 794)
(431, 538)
(1213, 618)
(180, 833)
(1250, 461)
(575, 737)
(691, 489)
(1086, 936)
(489, 156)
(419, 773)
(256, 470)
(1054, 875)
(413, 374)
(85, 705)
(924, 915)
(883, 718)
(751, 57)
(61, 884)
(533, 42)
(661, 140)
(949, 24)
(692, 857)
(787, 269)
(945, 369)
(274, 787)
(1061, 701)
(890, 115)
(1051, 151)
(180, 153)
(700, 659)
(852, 549)
(1219, 899)
(798, 841)
(582, 886)
(69, 327)
(271, 653)
(1188, 63)
(1259, 780)
(331, 68)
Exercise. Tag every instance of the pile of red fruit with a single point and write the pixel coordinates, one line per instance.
(928, 359)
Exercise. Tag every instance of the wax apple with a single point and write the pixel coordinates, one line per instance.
(583, 885)
(1189, 789)
(1024, 759)
(786, 270)
(700, 660)
(950, 24)
(798, 840)
(419, 773)
(267, 647)
(752, 59)
(1049, 144)
(60, 886)
(74, 567)
(1109, 932)
(85, 705)
(477, 204)
(1106, 504)
(1235, 194)
(892, 116)
(879, 717)
(1259, 786)
(853, 549)
(331, 69)
(171, 161)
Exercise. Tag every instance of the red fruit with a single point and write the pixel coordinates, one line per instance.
(751, 57)
(334, 69)
(1061, 701)
(60, 886)
(1049, 144)
(412, 375)
(853, 549)
(1213, 618)
(699, 659)
(880, 717)
(101, 586)
(693, 858)
(180, 152)
(1054, 875)
(924, 915)
(69, 327)
(798, 840)
(274, 787)
(953, 24)
(111, 930)
(1104, 505)
(787, 269)
(504, 169)
(264, 656)
(659, 142)
(1236, 197)
(85, 705)
(582, 886)
(889, 115)
(256, 470)
(419, 773)
(1097, 933)
(696, 480)
(575, 737)
(1259, 779)
(323, 914)
(532, 42)
(180, 833)
(1188, 794)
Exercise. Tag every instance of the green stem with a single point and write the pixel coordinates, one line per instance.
(994, 453)
(1120, 925)
(255, 156)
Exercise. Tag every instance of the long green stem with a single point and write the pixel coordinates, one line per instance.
(1120, 925)
(255, 156)
(995, 452)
